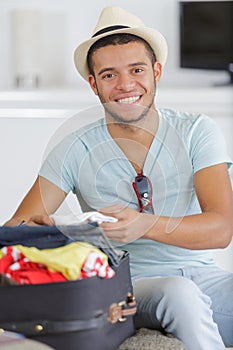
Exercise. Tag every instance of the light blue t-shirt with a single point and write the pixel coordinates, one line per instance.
(89, 163)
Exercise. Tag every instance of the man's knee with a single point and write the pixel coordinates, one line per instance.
(173, 287)
(179, 294)
(180, 289)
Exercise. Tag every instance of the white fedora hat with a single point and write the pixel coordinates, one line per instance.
(114, 20)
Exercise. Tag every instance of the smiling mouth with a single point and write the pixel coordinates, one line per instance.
(128, 100)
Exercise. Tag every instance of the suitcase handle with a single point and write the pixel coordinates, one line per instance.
(118, 312)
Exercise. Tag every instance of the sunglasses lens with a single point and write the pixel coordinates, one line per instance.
(143, 187)
(143, 190)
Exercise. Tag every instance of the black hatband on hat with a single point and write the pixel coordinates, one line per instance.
(108, 29)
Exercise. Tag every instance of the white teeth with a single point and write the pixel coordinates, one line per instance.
(129, 99)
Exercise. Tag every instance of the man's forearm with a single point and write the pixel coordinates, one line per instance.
(15, 221)
(201, 231)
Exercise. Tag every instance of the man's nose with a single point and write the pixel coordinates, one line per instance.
(125, 82)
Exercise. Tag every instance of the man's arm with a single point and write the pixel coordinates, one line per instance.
(42, 200)
(211, 229)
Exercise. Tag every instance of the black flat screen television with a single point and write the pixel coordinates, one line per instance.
(206, 35)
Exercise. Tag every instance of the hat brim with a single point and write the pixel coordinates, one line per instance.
(154, 38)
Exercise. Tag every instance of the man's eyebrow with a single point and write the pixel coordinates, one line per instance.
(138, 64)
(109, 69)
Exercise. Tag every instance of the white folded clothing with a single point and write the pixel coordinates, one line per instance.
(75, 219)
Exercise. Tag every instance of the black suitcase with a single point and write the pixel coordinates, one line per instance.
(89, 314)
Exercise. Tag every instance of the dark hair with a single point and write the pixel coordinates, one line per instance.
(117, 39)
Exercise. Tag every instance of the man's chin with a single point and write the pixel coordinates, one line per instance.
(126, 113)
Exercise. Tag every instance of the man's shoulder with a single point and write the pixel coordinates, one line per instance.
(183, 120)
(90, 127)
(174, 115)
(82, 132)
(76, 134)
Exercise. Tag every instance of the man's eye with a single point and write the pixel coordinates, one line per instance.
(138, 70)
(108, 76)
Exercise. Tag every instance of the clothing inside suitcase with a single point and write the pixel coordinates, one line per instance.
(88, 314)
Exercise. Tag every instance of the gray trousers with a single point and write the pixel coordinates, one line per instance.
(194, 304)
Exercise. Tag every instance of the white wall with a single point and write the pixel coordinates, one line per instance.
(65, 23)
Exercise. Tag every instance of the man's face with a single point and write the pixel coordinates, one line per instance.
(125, 80)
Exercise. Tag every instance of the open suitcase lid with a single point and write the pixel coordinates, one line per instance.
(44, 237)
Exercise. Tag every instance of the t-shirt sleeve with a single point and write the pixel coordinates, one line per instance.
(60, 166)
(207, 144)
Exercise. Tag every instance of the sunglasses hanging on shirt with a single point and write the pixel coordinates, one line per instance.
(143, 189)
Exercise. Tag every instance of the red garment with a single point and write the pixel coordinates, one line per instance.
(95, 266)
(15, 266)
(18, 268)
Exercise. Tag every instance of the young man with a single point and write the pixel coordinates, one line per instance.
(162, 174)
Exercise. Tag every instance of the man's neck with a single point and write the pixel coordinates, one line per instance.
(135, 139)
(138, 131)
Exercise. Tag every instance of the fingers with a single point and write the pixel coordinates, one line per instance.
(130, 226)
(113, 210)
(116, 208)
(40, 220)
(112, 226)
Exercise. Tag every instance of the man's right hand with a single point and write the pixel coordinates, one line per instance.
(36, 220)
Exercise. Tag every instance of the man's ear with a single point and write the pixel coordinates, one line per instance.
(157, 71)
(92, 83)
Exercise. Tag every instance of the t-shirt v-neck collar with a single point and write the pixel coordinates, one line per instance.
(150, 158)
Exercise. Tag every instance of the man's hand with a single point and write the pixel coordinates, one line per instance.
(131, 224)
(37, 220)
